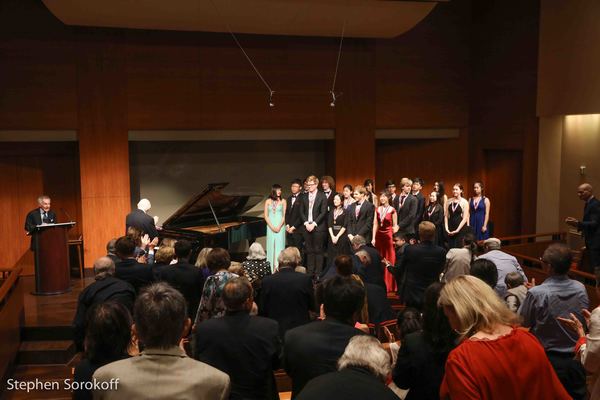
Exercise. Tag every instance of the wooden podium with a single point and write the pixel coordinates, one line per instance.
(51, 254)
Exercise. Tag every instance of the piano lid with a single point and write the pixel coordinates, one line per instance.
(226, 205)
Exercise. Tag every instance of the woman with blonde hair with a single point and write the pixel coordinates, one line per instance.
(201, 261)
(495, 359)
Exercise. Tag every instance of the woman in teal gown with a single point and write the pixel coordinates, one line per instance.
(275, 218)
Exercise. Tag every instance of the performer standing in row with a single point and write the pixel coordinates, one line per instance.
(407, 210)
(390, 186)
(338, 239)
(313, 212)
(385, 224)
(348, 193)
(275, 208)
(439, 188)
(434, 213)
(292, 215)
(360, 215)
(417, 186)
(479, 212)
(370, 188)
(328, 186)
(456, 217)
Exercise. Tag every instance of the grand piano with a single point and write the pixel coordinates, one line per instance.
(213, 218)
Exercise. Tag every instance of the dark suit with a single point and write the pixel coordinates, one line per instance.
(363, 225)
(138, 275)
(139, 219)
(396, 202)
(314, 242)
(372, 273)
(407, 215)
(244, 347)
(421, 266)
(34, 218)
(313, 349)
(287, 297)
(379, 306)
(292, 218)
(590, 227)
(350, 383)
(420, 209)
(186, 278)
(330, 199)
(109, 288)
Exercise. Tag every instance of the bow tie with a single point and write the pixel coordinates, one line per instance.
(294, 196)
(327, 192)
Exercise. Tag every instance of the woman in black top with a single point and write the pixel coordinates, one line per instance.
(457, 217)
(422, 357)
(370, 188)
(338, 243)
(434, 213)
(107, 339)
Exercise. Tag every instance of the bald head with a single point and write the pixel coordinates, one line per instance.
(144, 205)
(103, 267)
(585, 191)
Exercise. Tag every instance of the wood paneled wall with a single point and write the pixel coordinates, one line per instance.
(104, 82)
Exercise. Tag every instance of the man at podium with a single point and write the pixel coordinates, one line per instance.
(41, 215)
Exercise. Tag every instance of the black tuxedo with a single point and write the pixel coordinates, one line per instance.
(109, 288)
(420, 209)
(395, 202)
(407, 215)
(590, 227)
(421, 265)
(186, 278)
(138, 275)
(329, 199)
(244, 347)
(34, 218)
(313, 349)
(347, 384)
(139, 219)
(314, 242)
(287, 297)
(293, 218)
(379, 306)
(363, 225)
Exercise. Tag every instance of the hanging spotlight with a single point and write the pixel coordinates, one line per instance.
(271, 104)
(333, 98)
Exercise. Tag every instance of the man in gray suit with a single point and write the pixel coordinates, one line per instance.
(162, 370)
(407, 209)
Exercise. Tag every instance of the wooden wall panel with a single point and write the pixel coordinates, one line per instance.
(429, 159)
(103, 145)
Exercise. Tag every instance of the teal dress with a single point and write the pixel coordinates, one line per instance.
(275, 241)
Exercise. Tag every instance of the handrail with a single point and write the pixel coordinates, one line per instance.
(9, 283)
(561, 235)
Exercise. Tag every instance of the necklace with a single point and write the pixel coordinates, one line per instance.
(383, 212)
(430, 210)
(274, 205)
(336, 213)
(476, 203)
(455, 205)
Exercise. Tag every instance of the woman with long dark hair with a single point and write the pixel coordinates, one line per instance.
(370, 188)
(434, 213)
(385, 224)
(347, 193)
(457, 217)
(479, 212)
(422, 356)
(275, 218)
(338, 243)
(440, 189)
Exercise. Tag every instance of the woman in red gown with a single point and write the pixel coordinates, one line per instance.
(385, 224)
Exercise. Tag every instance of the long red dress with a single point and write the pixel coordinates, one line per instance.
(513, 366)
(384, 243)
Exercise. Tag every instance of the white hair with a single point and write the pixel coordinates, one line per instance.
(256, 252)
(365, 351)
(289, 257)
(42, 198)
(358, 241)
(363, 254)
(144, 205)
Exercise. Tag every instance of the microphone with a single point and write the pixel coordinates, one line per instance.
(67, 214)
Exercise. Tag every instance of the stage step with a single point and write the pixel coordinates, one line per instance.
(37, 333)
(46, 352)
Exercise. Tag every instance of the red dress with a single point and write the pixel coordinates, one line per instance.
(513, 367)
(384, 243)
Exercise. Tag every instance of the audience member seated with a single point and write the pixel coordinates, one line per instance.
(420, 362)
(256, 265)
(313, 349)
(364, 369)
(201, 262)
(128, 268)
(211, 303)
(162, 370)
(459, 260)
(373, 272)
(185, 277)
(107, 339)
(246, 348)
(105, 287)
(516, 290)
(496, 359)
(558, 296)
(408, 321)
(163, 259)
(421, 266)
(144, 247)
(588, 346)
(378, 305)
(287, 296)
(237, 268)
(486, 271)
(505, 263)
(111, 251)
